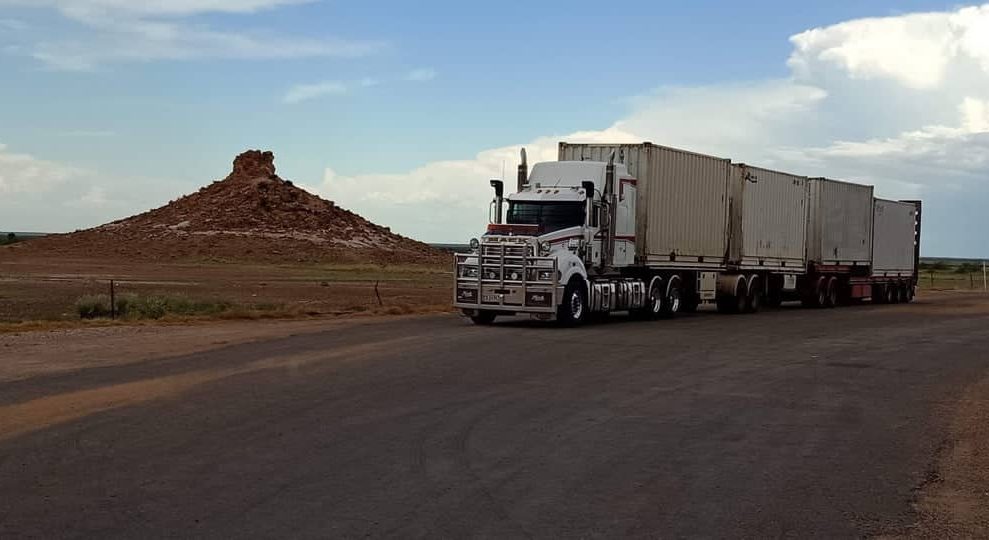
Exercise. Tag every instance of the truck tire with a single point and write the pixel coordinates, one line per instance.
(672, 301)
(904, 295)
(483, 318)
(654, 302)
(734, 303)
(817, 296)
(910, 293)
(878, 294)
(831, 294)
(753, 299)
(892, 295)
(573, 311)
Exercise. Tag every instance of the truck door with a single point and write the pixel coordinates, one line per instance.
(625, 223)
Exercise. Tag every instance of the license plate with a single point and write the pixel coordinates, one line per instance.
(492, 298)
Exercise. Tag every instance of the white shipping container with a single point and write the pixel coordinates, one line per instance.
(839, 226)
(682, 206)
(770, 209)
(894, 238)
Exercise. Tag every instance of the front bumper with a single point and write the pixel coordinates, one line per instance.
(504, 277)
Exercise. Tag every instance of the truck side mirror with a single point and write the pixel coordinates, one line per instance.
(499, 187)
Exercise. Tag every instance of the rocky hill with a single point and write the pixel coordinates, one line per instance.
(251, 215)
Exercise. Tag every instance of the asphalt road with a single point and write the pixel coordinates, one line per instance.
(788, 423)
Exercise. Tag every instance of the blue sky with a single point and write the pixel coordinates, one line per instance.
(126, 106)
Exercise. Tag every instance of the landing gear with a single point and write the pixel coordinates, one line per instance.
(690, 302)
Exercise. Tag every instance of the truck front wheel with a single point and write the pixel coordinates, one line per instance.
(483, 318)
(573, 310)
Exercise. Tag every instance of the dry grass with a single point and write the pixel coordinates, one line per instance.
(45, 293)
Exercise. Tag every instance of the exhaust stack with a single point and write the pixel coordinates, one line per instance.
(608, 225)
(523, 172)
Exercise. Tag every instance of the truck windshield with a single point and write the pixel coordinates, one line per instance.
(550, 216)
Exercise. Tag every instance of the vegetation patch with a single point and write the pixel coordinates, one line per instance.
(133, 306)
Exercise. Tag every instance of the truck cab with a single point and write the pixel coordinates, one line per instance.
(567, 223)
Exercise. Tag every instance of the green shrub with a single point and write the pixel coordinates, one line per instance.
(133, 306)
(93, 306)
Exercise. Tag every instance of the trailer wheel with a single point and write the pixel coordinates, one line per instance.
(904, 295)
(483, 318)
(573, 310)
(753, 299)
(817, 296)
(733, 303)
(672, 302)
(910, 293)
(892, 295)
(878, 294)
(831, 297)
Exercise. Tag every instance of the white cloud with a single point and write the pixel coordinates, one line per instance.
(309, 91)
(94, 197)
(24, 173)
(305, 92)
(421, 75)
(125, 31)
(916, 50)
(42, 195)
(898, 102)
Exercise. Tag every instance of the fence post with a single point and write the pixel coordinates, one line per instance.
(113, 301)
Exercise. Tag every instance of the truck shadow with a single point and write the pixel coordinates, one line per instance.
(703, 313)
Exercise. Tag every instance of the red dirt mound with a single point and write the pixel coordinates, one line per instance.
(251, 215)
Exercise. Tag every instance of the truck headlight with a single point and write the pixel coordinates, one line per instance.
(468, 271)
(475, 244)
(543, 249)
(545, 275)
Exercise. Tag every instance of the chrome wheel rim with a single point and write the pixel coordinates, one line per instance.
(674, 301)
(576, 306)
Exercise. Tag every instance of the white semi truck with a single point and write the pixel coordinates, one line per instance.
(655, 231)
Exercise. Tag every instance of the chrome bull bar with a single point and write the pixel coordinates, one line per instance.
(505, 276)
